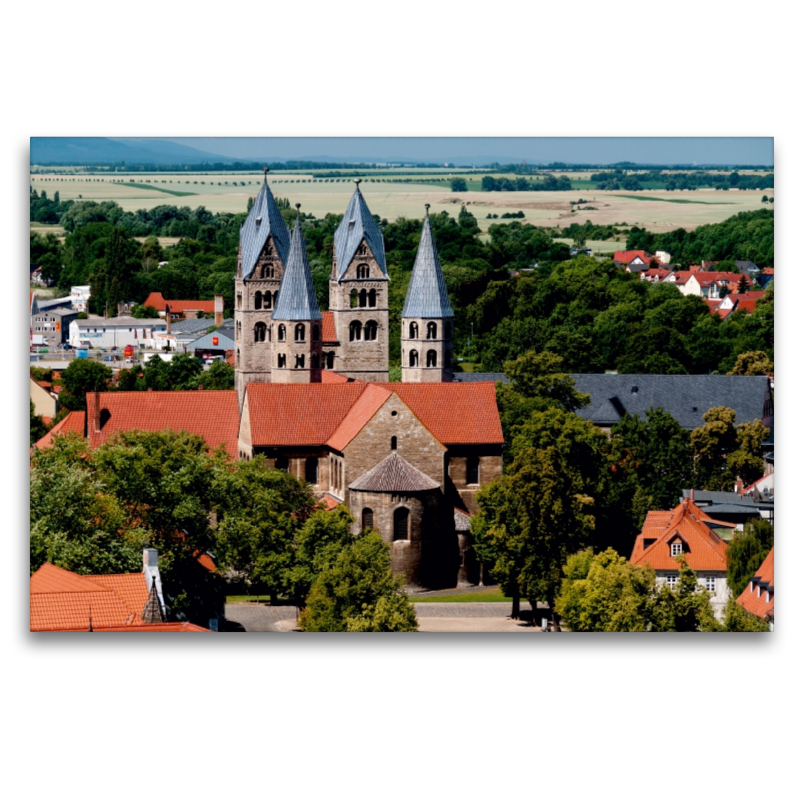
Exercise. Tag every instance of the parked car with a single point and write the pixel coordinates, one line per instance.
(108, 358)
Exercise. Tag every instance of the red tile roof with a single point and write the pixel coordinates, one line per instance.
(761, 586)
(707, 278)
(328, 328)
(62, 600)
(310, 414)
(157, 627)
(654, 274)
(746, 301)
(74, 422)
(329, 502)
(362, 411)
(769, 271)
(157, 301)
(626, 256)
(713, 308)
(328, 376)
(214, 415)
(702, 548)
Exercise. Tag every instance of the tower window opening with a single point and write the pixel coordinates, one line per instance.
(238, 301)
(260, 332)
(274, 299)
(311, 469)
(353, 299)
(314, 361)
(431, 330)
(413, 359)
(299, 361)
(281, 333)
(367, 519)
(315, 333)
(281, 360)
(329, 360)
(269, 333)
(267, 300)
(373, 298)
(362, 271)
(394, 443)
(362, 298)
(300, 332)
(400, 524)
(473, 469)
(431, 358)
(355, 331)
(257, 301)
(413, 330)
(370, 330)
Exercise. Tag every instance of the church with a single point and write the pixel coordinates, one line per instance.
(312, 392)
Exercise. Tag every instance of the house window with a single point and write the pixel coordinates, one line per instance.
(473, 469)
(400, 524)
(711, 584)
(311, 470)
(671, 579)
(766, 597)
(675, 549)
(281, 462)
(367, 519)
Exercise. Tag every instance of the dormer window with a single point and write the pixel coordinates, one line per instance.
(675, 549)
(766, 597)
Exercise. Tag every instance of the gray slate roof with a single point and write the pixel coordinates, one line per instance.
(297, 299)
(263, 220)
(720, 499)
(358, 224)
(479, 377)
(394, 474)
(427, 293)
(685, 397)
(196, 326)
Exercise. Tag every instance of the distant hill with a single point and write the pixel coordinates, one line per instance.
(68, 150)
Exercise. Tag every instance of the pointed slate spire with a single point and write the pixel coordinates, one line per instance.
(297, 299)
(263, 220)
(357, 224)
(427, 292)
(152, 608)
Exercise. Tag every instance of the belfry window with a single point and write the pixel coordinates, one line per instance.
(355, 331)
(281, 360)
(370, 330)
(362, 271)
(281, 333)
(362, 298)
(372, 298)
(413, 330)
(267, 300)
(300, 333)
(353, 299)
(257, 301)
(413, 359)
(299, 361)
(260, 332)
(431, 359)
(431, 330)
(315, 333)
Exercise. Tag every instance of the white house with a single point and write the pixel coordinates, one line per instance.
(116, 332)
(80, 297)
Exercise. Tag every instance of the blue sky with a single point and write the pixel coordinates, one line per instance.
(595, 150)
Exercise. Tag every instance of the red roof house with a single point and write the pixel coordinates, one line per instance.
(759, 596)
(178, 307)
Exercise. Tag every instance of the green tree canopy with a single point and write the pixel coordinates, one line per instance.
(746, 553)
(80, 377)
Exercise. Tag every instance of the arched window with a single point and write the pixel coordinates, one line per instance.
(237, 355)
(329, 360)
(362, 298)
(448, 359)
(367, 519)
(281, 333)
(413, 330)
(355, 331)
(281, 360)
(300, 332)
(239, 300)
(315, 333)
(267, 300)
(370, 330)
(448, 330)
(431, 330)
(260, 332)
(373, 296)
(353, 299)
(299, 361)
(314, 361)
(362, 271)
(394, 443)
(257, 301)
(473, 469)
(431, 360)
(281, 462)
(413, 359)
(400, 524)
(311, 470)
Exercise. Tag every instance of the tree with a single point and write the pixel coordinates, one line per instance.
(684, 608)
(144, 312)
(605, 593)
(739, 620)
(458, 185)
(80, 377)
(711, 444)
(540, 511)
(184, 371)
(746, 461)
(746, 553)
(220, 375)
(753, 363)
(358, 592)
(38, 428)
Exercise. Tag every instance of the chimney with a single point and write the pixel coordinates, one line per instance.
(691, 495)
(738, 486)
(169, 319)
(219, 310)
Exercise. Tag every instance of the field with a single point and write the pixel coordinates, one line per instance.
(656, 210)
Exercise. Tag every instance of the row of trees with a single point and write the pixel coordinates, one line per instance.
(566, 485)
(671, 181)
(92, 512)
(546, 183)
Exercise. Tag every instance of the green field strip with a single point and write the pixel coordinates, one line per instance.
(670, 200)
(157, 189)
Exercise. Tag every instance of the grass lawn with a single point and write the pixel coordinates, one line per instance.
(491, 594)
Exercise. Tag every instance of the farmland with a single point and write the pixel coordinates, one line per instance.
(400, 193)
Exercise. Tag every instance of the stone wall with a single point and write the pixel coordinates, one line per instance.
(490, 467)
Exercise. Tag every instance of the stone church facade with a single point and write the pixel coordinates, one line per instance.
(407, 458)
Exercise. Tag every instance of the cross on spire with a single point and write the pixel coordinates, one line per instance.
(266, 170)
(357, 181)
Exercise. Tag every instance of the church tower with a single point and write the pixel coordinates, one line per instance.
(264, 243)
(359, 296)
(296, 319)
(426, 339)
